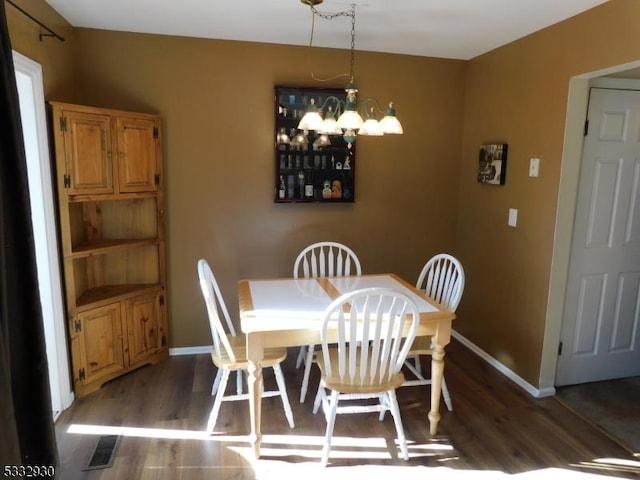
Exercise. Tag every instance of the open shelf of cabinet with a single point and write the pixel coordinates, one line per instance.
(106, 246)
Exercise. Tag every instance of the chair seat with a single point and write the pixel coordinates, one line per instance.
(368, 385)
(238, 343)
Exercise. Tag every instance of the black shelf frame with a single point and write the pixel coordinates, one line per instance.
(306, 170)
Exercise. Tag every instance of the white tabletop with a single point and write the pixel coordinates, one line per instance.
(288, 297)
(282, 304)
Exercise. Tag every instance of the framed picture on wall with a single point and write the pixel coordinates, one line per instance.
(492, 163)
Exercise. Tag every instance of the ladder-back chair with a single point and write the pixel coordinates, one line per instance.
(375, 329)
(229, 352)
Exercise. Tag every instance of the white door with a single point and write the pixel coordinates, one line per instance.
(600, 330)
(34, 128)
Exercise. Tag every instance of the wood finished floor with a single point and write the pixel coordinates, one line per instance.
(495, 431)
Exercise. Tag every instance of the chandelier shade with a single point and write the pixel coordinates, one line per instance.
(312, 120)
(371, 126)
(330, 124)
(390, 123)
(350, 120)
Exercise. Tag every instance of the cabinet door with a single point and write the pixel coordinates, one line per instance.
(100, 337)
(88, 164)
(144, 327)
(138, 154)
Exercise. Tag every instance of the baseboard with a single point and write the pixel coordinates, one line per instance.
(510, 374)
(174, 352)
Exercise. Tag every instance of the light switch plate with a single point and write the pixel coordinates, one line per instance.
(534, 167)
(513, 217)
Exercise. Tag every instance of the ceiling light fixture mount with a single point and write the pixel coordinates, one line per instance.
(349, 122)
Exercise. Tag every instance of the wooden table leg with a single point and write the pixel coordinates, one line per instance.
(437, 372)
(255, 353)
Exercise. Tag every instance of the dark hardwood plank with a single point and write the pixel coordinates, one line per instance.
(495, 429)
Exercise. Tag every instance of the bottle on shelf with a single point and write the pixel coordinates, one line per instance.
(290, 186)
(308, 185)
(301, 184)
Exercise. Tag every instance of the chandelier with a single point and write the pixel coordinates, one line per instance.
(337, 116)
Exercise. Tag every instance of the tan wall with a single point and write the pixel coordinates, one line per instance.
(219, 169)
(56, 57)
(518, 94)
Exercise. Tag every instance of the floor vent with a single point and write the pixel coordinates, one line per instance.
(104, 453)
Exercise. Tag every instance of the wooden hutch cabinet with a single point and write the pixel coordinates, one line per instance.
(111, 217)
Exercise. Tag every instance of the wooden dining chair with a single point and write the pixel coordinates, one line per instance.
(375, 329)
(229, 352)
(442, 279)
(321, 259)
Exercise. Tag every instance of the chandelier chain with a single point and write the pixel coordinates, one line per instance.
(331, 16)
(353, 41)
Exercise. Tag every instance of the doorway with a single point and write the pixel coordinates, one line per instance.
(600, 324)
(32, 113)
(577, 105)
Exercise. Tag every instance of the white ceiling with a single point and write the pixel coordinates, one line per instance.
(459, 29)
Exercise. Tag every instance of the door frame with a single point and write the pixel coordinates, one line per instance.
(577, 105)
(47, 252)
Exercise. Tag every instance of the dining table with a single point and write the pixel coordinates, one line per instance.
(288, 312)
